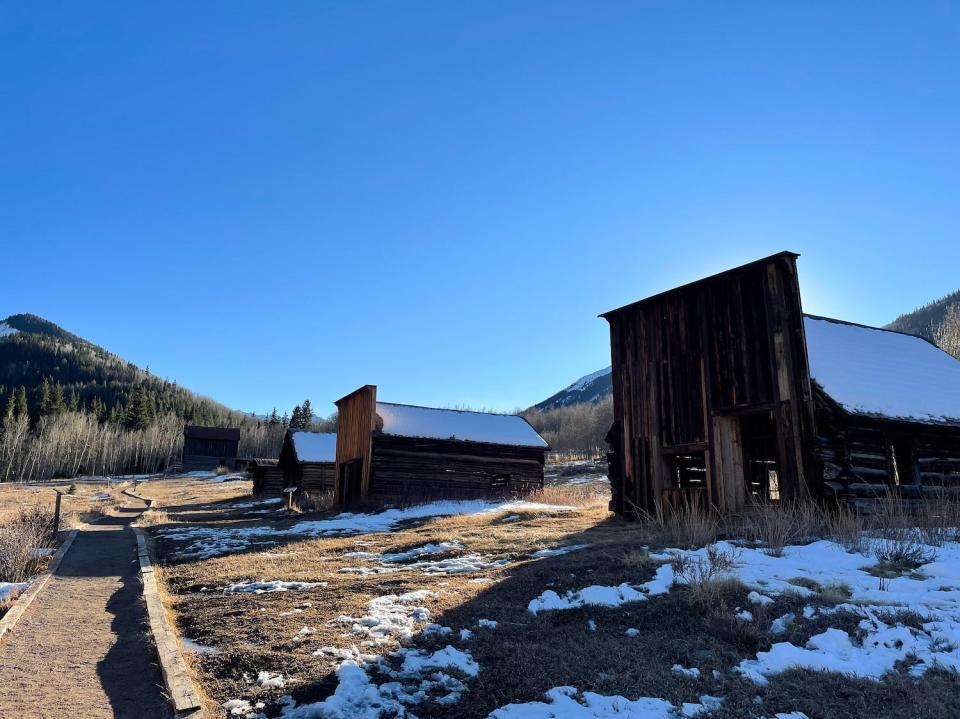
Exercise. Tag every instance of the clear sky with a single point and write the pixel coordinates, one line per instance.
(267, 201)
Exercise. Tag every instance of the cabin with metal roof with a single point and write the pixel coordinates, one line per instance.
(206, 448)
(726, 393)
(308, 461)
(398, 451)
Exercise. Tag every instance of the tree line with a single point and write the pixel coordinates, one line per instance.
(54, 437)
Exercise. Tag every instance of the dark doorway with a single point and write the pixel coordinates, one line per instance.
(758, 437)
(904, 462)
(350, 480)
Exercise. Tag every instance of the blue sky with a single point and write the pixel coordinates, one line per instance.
(272, 201)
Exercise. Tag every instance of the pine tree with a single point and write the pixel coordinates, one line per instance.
(73, 401)
(273, 420)
(44, 408)
(57, 403)
(285, 420)
(140, 411)
(98, 409)
(296, 418)
(306, 414)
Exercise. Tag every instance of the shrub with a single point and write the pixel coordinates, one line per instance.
(221, 471)
(705, 580)
(686, 527)
(900, 550)
(31, 528)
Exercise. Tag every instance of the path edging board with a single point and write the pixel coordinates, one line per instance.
(183, 695)
(22, 602)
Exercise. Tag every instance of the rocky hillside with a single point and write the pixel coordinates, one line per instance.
(590, 388)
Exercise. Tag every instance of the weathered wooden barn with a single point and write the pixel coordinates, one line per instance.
(308, 461)
(397, 451)
(206, 448)
(267, 476)
(724, 392)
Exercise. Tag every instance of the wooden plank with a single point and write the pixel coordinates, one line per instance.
(176, 675)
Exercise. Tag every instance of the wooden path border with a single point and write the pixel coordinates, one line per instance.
(22, 602)
(183, 695)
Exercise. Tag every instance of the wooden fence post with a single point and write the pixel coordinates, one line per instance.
(56, 514)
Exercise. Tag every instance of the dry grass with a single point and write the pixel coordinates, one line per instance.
(527, 654)
(31, 529)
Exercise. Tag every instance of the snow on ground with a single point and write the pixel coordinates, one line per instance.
(564, 703)
(392, 562)
(206, 542)
(558, 551)
(193, 647)
(933, 591)
(604, 596)
(263, 587)
(10, 590)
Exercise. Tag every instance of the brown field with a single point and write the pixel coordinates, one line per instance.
(526, 654)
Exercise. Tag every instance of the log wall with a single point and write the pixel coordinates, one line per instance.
(411, 468)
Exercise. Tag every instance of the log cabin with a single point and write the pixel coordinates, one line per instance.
(267, 476)
(206, 448)
(388, 451)
(308, 461)
(725, 393)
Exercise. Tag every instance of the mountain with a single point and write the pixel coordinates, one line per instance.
(923, 320)
(590, 388)
(60, 370)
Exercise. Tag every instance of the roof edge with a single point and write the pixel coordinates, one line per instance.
(658, 295)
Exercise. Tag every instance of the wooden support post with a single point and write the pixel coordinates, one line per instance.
(56, 514)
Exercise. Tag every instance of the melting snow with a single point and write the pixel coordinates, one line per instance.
(272, 586)
(206, 542)
(558, 551)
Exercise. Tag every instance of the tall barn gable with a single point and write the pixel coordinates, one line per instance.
(725, 393)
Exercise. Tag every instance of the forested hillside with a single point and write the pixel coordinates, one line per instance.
(925, 320)
(48, 370)
(70, 407)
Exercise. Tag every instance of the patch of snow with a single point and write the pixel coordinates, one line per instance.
(11, 590)
(558, 551)
(264, 587)
(632, 632)
(781, 624)
(562, 703)
(486, 624)
(407, 421)
(390, 618)
(757, 598)
(269, 680)
(205, 542)
(196, 648)
(7, 331)
(745, 615)
(691, 672)
(604, 596)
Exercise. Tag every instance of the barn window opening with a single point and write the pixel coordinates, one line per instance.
(758, 437)
(903, 462)
(688, 471)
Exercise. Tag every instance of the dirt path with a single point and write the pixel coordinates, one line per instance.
(82, 650)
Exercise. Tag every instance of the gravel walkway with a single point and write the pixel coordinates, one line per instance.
(82, 650)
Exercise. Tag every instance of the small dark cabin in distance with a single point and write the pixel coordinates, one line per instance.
(206, 448)
(725, 392)
(397, 451)
(308, 461)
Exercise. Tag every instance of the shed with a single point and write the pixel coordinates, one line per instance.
(724, 393)
(267, 476)
(206, 448)
(308, 461)
(398, 451)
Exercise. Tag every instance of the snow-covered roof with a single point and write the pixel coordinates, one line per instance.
(315, 446)
(883, 373)
(404, 420)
